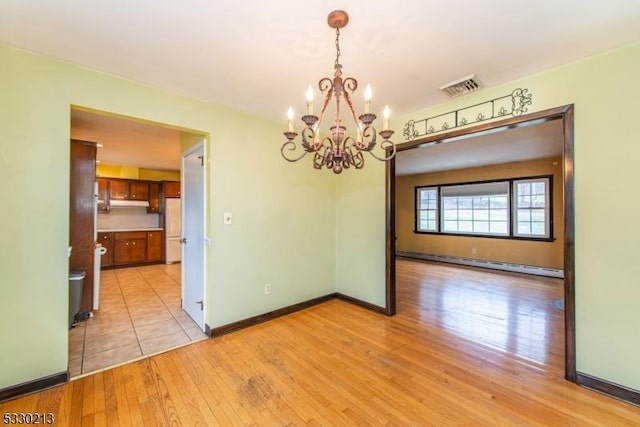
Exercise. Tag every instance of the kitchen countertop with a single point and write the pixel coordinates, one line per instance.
(115, 230)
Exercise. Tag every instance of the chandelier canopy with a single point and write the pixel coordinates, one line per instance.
(338, 151)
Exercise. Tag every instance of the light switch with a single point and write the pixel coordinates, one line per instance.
(228, 218)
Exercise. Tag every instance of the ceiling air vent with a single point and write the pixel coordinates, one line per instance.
(461, 86)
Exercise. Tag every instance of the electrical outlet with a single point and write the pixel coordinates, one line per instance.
(474, 251)
(267, 288)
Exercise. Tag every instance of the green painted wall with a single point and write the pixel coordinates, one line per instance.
(604, 89)
(274, 204)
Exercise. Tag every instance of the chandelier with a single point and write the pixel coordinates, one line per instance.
(338, 151)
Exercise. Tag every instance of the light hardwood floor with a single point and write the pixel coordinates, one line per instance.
(338, 364)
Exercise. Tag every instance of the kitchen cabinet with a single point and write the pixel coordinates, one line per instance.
(128, 189)
(154, 246)
(139, 190)
(106, 240)
(118, 189)
(130, 247)
(103, 195)
(154, 197)
(171, 188)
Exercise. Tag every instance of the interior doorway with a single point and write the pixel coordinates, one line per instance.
(140, 310)
(565, 115)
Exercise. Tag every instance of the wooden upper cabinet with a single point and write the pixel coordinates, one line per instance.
(139, 190)
(128, 189)
(171, 188)
(154, 197)
(119, 189)
(103, 195)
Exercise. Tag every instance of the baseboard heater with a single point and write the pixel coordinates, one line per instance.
(496, 265)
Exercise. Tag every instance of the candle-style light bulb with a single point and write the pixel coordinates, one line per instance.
(367, 99)
(290, 117)
(310, 100)
(386, 114)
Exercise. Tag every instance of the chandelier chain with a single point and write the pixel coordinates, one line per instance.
(337, 47)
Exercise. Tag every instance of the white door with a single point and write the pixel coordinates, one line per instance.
(193, 237)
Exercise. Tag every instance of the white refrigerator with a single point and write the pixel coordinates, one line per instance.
(172, 230)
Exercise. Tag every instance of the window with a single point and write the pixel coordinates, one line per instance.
(427, 202)
(530, 211)
(518, 208)
(476, 208)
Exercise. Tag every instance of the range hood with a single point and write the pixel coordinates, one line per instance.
(129, 204)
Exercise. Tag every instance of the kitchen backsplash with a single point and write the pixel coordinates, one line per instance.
(127, 218)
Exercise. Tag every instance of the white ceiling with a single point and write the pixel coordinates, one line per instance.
(259, 56)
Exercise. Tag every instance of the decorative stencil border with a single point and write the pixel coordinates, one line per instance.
(514, 104)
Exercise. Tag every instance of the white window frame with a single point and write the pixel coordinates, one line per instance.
(517, 207)
(418, 210)
(476, 192)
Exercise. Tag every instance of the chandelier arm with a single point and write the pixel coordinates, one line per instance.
(327, 158)
(368, 133)
(347, 156)
(318, 160)
(330, 150)
(357, 160)
(389, 148)
(291, 146)
(350, 84)
(308, 134)
(325, 85)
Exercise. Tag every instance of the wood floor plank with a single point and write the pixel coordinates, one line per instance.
(468, 347)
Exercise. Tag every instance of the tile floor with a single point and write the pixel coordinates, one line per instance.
(139, 315)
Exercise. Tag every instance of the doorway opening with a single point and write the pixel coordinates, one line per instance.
(137, 303)
(564, 116)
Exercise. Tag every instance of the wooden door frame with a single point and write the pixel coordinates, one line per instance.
(564, 113)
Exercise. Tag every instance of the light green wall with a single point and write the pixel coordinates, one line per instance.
(360, 230)
(604, 89)
(283, 214)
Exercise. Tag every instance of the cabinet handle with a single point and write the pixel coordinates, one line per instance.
(134, 243)
(127, 244)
